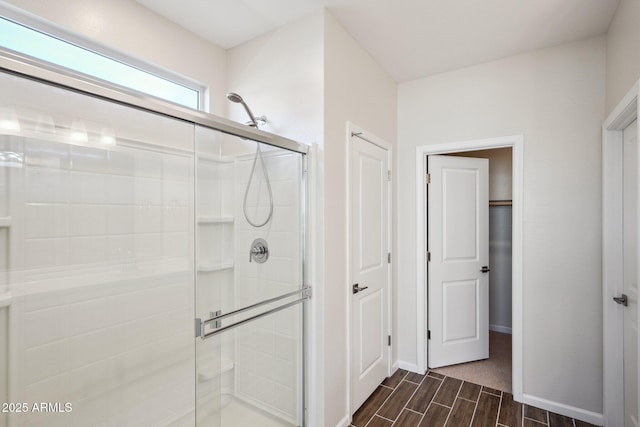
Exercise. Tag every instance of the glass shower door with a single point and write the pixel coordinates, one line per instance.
(117, 225)
(249, 283)
(96, 261)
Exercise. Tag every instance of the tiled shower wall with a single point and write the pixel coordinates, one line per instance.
(268, 355)
(215, 273)
(4, 311)
(100, 263)
(85, 206)
(96, 251)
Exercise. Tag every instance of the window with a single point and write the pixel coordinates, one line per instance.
(27, 41)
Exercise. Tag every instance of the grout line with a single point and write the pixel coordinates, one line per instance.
(468, 400)
(386, 386)
(454, 402)
(413, 382)
(408, 400)
(430, 372)
(535, 421)
(475, 409)
(444, 406)
(432, 402)
(380, 416)
(388, 397)
(499, 409)
(415, 412)
(381, 405)
(491, 393)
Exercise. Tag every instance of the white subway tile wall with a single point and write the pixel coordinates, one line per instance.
(268, 358)
(106, 218)
(215, 275)
(98, 243)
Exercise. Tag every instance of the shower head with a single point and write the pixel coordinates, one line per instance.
(234, 97)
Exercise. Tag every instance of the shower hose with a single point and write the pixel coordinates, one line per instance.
(246, 191)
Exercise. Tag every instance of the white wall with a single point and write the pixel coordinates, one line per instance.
(128, 27)
(356, 90)
(279, 75)
(623, 61)
(555, 97)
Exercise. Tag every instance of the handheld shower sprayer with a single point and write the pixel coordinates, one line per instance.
(234, 97)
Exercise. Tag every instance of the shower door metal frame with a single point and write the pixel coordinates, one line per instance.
(43, 72)
(34, 69)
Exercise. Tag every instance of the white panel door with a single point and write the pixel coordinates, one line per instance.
(458, 242)
(369, 268)
(630, 274)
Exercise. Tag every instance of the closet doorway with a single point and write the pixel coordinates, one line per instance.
(495, 371)
(505, 206)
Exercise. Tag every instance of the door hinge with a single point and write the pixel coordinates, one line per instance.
(389, 340)
(428, 335)
(428, 178)
(428, 256)
(389, 175)
(389, 258)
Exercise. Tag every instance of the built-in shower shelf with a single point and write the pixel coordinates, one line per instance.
(218, 266)
(215, 219)
(210, 372)
(5, 300)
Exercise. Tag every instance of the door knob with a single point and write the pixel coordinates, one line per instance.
(622, 300)
(357, 288)
(485, 269)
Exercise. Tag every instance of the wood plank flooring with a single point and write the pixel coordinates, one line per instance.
(433, 400)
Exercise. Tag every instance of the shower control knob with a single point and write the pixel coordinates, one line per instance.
(259, 251)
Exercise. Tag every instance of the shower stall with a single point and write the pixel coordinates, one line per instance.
(135, 286)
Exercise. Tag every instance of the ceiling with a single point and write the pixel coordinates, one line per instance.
(408, 38)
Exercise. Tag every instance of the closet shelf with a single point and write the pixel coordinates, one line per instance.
(218, 266)
(215, 219)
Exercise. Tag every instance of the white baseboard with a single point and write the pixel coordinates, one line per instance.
(500, 328)
(395, 366)
(562, 409)
(343, 422)
(411, 367)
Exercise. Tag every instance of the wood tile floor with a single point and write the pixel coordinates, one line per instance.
(410, 400)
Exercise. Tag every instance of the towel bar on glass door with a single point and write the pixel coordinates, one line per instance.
(200, 324)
